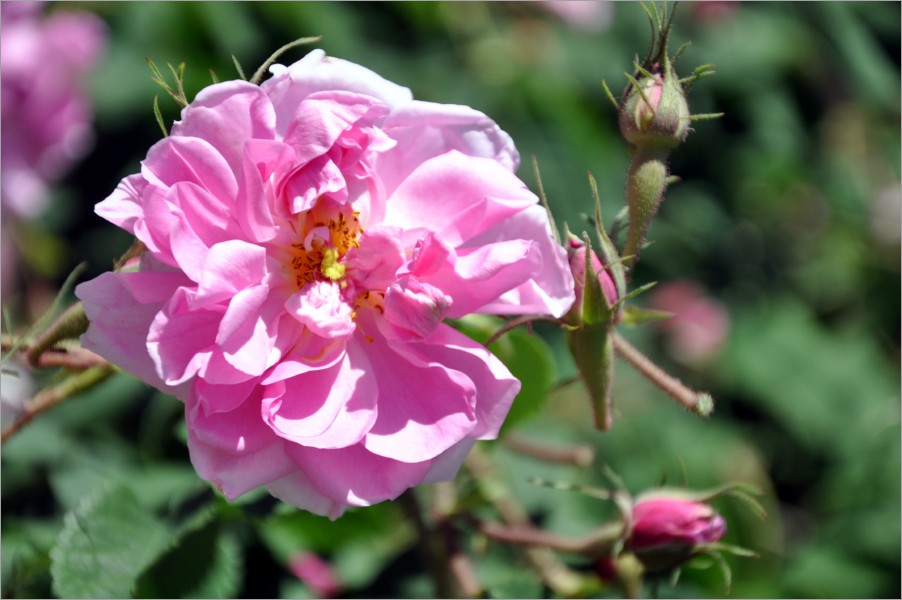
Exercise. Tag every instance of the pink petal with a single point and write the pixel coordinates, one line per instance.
(458, 197)
(247, 332)
(227, 115)
(312, 352)
(322, 117)
(322, 309)
(424, 407)
(255, 205)
(445, 466)
(354, 476)
(295, 489)
(124, 207)
(174, 159)
(329, 408)
(550, 291)
(317, 72)
(207, 216)
(495, 386)
(375, 264)
(425, 130)
(234, 450)
(415, 309)
(229, 267)
(121, 308)
(180, 342)
(474, 277)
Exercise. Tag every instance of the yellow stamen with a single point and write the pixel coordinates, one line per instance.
(330, 266)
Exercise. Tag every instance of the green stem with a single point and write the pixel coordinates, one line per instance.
(645, 185)
(556, 575)
(71, 324)
(700, 403)
(434, 553)
(50, 397)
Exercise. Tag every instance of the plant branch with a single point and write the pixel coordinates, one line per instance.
(700, 403)
(516, 322)
(580, 455)
(434, 553)
(50, 397)
(553, 572)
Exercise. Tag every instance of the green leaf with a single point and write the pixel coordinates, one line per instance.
(206, 563)
(105, 544)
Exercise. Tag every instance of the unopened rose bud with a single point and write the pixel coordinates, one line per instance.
(668, 530)
(593, 316)
(658, 117)
(576, 254)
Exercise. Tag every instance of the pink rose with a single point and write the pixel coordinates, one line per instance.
(666, 530)
(45, 116)
(305, 241)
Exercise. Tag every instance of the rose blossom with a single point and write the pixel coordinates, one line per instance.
(305, 241)
(45, 115)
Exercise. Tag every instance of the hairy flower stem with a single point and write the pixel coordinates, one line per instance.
(555, 574)
(60, 354)
(431, 546)
(444, 501)
(646, 182)
(516, 322)
(580, 455)
(50, 397)
(71, 324)
(700, 403)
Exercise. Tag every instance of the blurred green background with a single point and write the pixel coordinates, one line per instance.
(788, 213)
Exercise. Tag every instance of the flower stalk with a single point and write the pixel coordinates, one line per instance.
(700, 403)
(50, 397)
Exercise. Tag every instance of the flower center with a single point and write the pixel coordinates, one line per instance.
(328, 234)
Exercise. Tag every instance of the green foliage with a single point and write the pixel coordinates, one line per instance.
(105, 544)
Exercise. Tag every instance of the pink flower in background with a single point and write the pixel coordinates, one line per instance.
(305, 241)
(316, 574)
(700, 324)
(45, 116)
(589, 15)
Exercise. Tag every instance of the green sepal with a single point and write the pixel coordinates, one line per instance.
(596, 308)
(633, 315)
(592, 347)
(609, 256)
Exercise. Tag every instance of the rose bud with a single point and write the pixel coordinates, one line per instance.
(654, 113)
(667, 530)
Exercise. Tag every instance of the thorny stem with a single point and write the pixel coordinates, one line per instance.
(516, 322)
(553, 572)
(433, 551)
(580, 455)
(75, 358)
(700, 403)
(50, 397)
(70, 324)
(443, 501)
